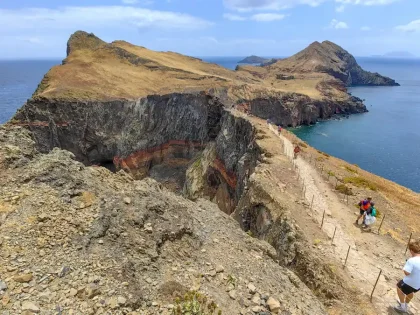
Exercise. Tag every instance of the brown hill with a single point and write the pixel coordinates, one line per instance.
(327, 57)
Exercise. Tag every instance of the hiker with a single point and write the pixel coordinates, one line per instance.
(279, 128)
(370, 216)
(364, 205)
(411, 282)
(296, 151)
(268, 121)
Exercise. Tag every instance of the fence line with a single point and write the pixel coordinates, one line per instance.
(328, 174)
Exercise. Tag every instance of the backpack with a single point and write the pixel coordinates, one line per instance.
(373, 214)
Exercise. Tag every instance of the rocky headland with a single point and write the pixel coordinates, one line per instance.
(141, 182)
(253, 60)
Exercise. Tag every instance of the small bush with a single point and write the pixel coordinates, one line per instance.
(303, 145)
(350, 169)
(331, 173)
(344, 189)
(320, 159)
(194, 303)
(323, 153)
(356, 165)
(360, 182)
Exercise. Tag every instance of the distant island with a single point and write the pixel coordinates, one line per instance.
(254, 59)
(259, 60)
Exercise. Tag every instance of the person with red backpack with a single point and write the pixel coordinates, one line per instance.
(364, 205)
(296, 151)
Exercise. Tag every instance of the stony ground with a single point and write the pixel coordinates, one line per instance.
(82, 240)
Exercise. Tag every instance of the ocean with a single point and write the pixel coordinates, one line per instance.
(18, 80)
(385, 141)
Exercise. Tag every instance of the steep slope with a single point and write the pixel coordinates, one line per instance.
(327, 57)
(82, 240)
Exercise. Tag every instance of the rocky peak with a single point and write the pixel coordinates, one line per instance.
(328, 57)
(83, 40)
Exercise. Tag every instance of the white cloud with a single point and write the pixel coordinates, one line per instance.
(234, 17)
(249, 5)
(104, 17)
(365, 28)
(140, 2)
(338, 24)
(340, 8)
(32, 40)
(261, 17)
(413, 26)
(267, 17)
(367, 2)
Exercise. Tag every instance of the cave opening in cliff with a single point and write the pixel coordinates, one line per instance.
(108, 164)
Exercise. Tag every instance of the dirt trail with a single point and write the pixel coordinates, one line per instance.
(364, 261)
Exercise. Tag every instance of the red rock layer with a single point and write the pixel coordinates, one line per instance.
(138, 163)
(229, 177)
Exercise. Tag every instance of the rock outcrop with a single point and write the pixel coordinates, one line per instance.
(83, 240)
(327, 57)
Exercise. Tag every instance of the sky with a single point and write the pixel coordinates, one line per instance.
(40, 29)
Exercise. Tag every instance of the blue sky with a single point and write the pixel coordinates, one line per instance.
(40, 29)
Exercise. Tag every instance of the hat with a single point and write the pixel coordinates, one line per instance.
(369, 198)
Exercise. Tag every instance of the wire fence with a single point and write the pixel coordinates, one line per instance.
(342, 245)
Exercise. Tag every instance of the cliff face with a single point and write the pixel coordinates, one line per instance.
(327, 57)
(294, 110)
(133, 135)
(222, 171)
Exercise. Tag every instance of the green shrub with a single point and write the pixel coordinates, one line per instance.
(303, 145)
(350, 169)
(360, 182)
(344, 189)
(331, 173)
(194, 303)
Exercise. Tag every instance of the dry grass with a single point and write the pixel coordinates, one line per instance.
(95, 70)
(360, 182)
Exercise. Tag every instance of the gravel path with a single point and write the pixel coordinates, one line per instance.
(362, 267)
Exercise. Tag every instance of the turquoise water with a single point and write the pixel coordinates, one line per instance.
(385, 141)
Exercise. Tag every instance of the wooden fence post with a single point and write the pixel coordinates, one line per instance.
(411, 235)
(332, 241)
(323, 216)
(376, 283)
(381, 223)
(348, 252)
